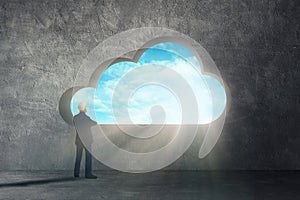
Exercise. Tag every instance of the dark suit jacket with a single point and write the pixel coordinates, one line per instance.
(83, 123)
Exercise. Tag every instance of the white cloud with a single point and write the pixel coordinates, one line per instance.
(126, 79)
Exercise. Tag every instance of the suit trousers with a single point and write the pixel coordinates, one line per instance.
(88, 161)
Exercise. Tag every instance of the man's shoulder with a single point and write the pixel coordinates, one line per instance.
(81, 115)
(78, 116)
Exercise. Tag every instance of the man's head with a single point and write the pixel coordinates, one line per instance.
(82, 106)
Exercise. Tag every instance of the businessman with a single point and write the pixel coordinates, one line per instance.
(83, 123)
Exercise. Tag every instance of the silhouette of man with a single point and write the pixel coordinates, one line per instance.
(83, 123)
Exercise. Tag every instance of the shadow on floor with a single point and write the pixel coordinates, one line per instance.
(37, 182)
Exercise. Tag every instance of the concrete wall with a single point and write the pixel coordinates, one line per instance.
(255, 45)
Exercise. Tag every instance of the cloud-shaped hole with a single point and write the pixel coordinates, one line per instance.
(146, 92)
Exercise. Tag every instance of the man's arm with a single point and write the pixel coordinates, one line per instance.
(92, 122)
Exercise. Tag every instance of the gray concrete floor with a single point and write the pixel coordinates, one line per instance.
(220, 185)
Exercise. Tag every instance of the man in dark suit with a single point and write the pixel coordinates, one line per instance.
(83, 123)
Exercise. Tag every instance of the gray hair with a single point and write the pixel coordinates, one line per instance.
(82, 106)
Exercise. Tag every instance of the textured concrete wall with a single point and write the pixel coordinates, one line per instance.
(255, 44)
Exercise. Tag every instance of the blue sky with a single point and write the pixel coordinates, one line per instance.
(106, 103)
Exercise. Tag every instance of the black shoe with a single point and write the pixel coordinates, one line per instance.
(76, 175)
(91, 176)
